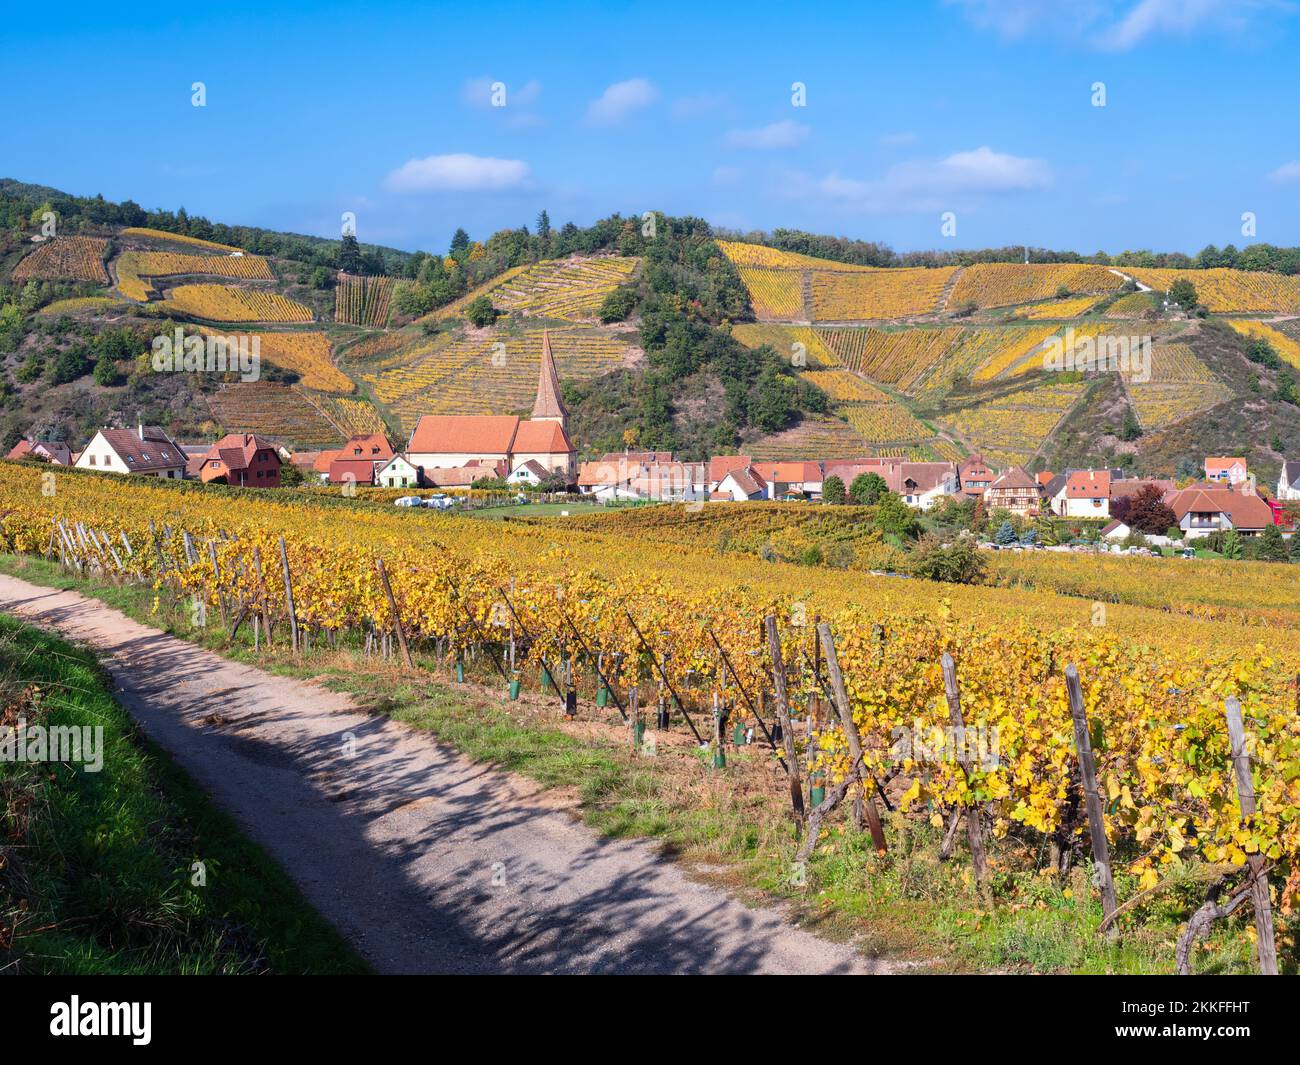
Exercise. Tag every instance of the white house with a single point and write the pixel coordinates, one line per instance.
(530, 472)
(399, 472)
(1229, 470)
(741, 485)
(146, 449)
(1288, 484)
(1086, 495)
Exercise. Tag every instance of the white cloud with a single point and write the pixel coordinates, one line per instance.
(1114, 25)
(784, 134)
(925, 185)
(620, 100)
(459, 172)
(1286, 173)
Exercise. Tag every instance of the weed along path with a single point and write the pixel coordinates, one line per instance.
(428, 862)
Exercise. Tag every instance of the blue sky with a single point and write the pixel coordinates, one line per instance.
(979, 107)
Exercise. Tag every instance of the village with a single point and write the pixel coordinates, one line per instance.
(457, 453)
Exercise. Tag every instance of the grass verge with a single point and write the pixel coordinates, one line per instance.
(129, 868)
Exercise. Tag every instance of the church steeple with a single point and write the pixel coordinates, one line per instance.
(548, 405)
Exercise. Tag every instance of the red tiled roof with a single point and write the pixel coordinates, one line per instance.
(1244, 511)
(323, 460)
(789, 472)
(548, 403)
(236, 450)
(1014, 478)
(721, 465)
(1221, 463)
(462, 434)
(367, 446)
(748, 480)
(1088, 484)
(361, 471)
(541, 438)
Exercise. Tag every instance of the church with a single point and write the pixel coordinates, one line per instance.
(503, 442)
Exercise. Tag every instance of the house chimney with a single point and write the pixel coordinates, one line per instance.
(139, 429)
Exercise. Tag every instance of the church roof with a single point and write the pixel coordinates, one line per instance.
(548, 403)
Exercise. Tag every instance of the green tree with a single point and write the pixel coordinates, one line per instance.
(1231, 545)
(1271, 547)
(1183, 293)
(481, 312)
(833, 489)
(544, 226)
(894, 517)
(105, 371)
(459, 241)
(958, 562)
(867, 488)
(349, 254)
(1006, 534)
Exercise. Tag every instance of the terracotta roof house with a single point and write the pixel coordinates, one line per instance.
(791, 478)
(1201, 511)
(55, 451)
(741, 485)
(666, 481)
(975, 476)
(721, 465)
(355, 471)
(146, 450)
(1087, 494)
(1288, 482)
(243, 460)
(448, 441)
(918, 484)
(1015, 491)
(367, 446)
(1231, 470)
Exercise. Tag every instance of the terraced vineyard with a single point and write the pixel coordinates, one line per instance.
(894, 357)
(1005, 284)
(767, 258)
(353, 416)
(783, 338)
(277, 411)
(1287, 348)
(845, 387)
(78, 303)
(1179, 386)
(774, 294)
(307, 355)
(1067, 308)
(843, 296)
(1225, 291)
(569, 289)
(134, 268)
(485, 375)
(1008, 430)
(885, 423)
(362, 300)
(1131, 305)
(816, 437)
(179, 238)
(378, 345)
(219, 303)
(65, 258)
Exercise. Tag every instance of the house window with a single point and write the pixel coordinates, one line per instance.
(91, 461)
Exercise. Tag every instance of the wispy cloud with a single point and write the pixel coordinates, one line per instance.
(784, 134)
(1114, 25)
(620, 100)
(926, 185)
(458, 172)
(1286, 173)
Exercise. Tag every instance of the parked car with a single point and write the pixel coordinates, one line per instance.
(408, 501)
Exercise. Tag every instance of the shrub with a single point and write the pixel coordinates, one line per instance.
(959, 562)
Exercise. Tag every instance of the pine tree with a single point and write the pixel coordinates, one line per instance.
(544, 225)
(349, 254)
(459, 241)
(1006, 534)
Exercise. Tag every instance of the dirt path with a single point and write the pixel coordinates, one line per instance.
(428, 862)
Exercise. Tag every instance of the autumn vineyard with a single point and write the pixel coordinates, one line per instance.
(1131, 767)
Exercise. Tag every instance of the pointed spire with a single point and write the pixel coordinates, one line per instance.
(548, 403)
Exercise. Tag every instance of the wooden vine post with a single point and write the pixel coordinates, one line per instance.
(294, 641)
(1092, 800)
(974, 825)
(783, 715)
(397, 618)
(851, 735)
(1258, 874)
